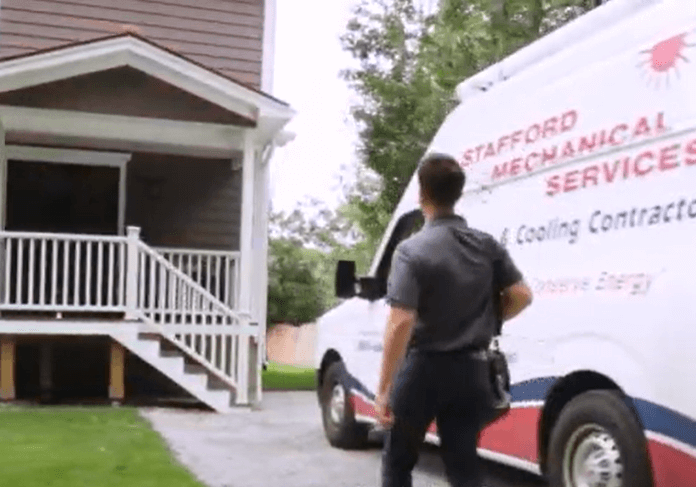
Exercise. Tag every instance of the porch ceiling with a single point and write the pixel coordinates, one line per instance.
(126, 92)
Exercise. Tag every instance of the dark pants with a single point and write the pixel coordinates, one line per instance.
(450, 388)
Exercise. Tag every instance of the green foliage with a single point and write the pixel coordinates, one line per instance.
(294, 288)
(304, 248)
(409, 64)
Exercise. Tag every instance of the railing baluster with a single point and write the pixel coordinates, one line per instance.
(122, 274)
(20, 271)
(54, 272)
(236, 282)
(111, 299)
(78, 252)
(141, 280)
(225, 271)
(232, 280)
(88, 272)
(222, 273)
(8, 269)
(100, 273)
(42, 275)
(151, 300)
(213, 346)
(66, 268)
(172, 306)
(161, 292)
(188, 317)
(209, 272)
(30, 289)
(234, 366)
(181, 297)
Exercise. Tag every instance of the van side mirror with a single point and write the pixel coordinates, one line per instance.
(349, 286)
(345, 279)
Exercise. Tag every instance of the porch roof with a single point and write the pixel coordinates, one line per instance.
(265, 113)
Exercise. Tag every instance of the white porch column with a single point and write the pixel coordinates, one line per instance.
(3, 177)
(260, 249)
(246, 260)
(3, 206)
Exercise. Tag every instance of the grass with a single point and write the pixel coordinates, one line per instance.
(84, 447)
(288, 377)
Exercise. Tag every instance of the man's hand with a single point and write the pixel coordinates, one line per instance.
(396, 336)
(384, 413)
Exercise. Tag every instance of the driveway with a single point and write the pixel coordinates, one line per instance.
(283, 445)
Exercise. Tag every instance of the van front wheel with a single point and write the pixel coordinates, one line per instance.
(338, 416)
(598, 441)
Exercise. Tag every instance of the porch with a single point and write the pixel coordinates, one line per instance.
(144, 223)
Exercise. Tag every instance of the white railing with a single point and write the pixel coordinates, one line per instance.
(83, 273)
(62, 272)
(216, 271)
(194, 319)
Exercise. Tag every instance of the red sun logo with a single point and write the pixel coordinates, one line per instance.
(664, 57)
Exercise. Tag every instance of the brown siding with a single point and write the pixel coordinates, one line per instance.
(223, 34)
(198, 205)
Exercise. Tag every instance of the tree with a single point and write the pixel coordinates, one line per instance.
(321, 237)
(294, 290)
(394, 130)
(410, 62)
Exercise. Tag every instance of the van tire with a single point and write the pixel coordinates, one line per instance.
(603, 420)
(340, 426)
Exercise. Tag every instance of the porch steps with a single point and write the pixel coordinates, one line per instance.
(192, 377)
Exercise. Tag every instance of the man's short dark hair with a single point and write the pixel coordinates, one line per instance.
(441, 179)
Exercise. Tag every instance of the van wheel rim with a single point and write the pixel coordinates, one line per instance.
(338, 404)
(592, 459)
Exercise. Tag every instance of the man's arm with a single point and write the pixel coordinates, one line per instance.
(402, 295)
(515, 299)
(516, 295)
(396, 336)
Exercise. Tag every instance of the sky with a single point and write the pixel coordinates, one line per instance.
(308, 60)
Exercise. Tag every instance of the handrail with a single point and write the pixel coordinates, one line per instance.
(63, 236)
(183, 250)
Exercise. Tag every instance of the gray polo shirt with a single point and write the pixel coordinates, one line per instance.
(445, 272)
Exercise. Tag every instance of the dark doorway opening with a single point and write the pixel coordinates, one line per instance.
(62, 198)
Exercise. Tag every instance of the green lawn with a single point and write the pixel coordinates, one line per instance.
(288, 377)
(84, 447)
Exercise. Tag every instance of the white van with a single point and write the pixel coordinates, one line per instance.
(580, 155)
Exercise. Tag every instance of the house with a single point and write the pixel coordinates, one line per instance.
(135, 142)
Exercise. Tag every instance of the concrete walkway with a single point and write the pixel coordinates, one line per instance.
(282, 445)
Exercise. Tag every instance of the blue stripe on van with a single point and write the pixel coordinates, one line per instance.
(532, 390)
(666, 421)
(654, 417)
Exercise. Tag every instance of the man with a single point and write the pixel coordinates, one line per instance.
(440, 291)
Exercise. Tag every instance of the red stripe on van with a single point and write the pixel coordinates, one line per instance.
(671, 467)
(514, 434)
